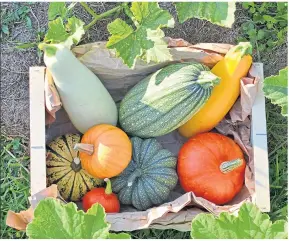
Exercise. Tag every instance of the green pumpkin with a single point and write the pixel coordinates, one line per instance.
(167, 99)
(64, 169)
(150, 176)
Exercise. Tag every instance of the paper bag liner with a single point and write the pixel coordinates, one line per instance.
(181, 207)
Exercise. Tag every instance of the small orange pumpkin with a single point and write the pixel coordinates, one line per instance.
(212, 166)
(105, 151)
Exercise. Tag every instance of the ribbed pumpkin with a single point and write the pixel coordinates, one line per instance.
(165, 100)
(150, 176)
(64, 169)
(105, 151)
(212, 166)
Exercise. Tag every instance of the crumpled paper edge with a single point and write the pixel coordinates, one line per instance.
(20, 220)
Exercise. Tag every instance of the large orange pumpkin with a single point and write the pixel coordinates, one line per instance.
(105, 151)
(212, 166)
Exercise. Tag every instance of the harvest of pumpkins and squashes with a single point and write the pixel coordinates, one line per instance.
(126, 165)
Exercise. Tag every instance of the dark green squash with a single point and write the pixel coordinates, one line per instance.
(167, 99)
(150, 176)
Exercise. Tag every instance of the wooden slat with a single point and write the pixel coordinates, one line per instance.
(259, 142)
(37, 130)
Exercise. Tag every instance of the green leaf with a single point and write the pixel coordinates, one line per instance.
(28, 22)
(270, 19)
(56, 32)
(57, 9)
(69, 34)
(220, 13)
(131, 43)
(75, 28)
(250, 223)
(276, 89)
(119, 236)
(261, 34)
(5, 29)
(55, 220)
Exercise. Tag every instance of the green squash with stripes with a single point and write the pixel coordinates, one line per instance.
(64, 169)
(167, 99)
(150, 176)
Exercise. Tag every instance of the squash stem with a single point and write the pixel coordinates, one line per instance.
(87, 148)
(207, 79)
(108, 189)
(242, 49)
(137, 173)
(229, 166)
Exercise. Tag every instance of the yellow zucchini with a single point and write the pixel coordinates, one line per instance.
(230, 69)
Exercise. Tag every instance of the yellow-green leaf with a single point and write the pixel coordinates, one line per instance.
(276, 89)
(131, 43)
(220, 13)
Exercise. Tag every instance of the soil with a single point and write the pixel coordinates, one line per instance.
(15, 63)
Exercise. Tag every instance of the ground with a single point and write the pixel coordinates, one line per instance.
(15, 104)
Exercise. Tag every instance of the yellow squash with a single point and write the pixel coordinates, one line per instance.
(230, 69)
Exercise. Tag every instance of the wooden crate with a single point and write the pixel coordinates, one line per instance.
(37, 138)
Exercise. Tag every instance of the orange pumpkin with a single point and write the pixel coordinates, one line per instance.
(105, 151)
(212, 166)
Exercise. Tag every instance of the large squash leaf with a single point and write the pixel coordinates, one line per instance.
(220, 13)
(249, 224)
(54, 220)
(57, 9)
(69, 34)
(146, 40)
(276, 89)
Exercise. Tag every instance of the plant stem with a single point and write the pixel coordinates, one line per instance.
(97, 17)
(88, 9)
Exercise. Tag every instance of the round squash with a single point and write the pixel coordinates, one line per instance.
(150, 176)
(212, 166)
(64, 169)
(105, 151)
(165, 100)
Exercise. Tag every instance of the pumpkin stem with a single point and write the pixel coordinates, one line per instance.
(108, 189)
(87, 148)
(229, 166)
(137, 173)
(207, 79)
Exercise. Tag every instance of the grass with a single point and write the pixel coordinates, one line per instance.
(14, 189)
(15, 178)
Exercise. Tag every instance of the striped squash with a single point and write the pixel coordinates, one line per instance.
(150, 176)
(165, 100)
(64, 169)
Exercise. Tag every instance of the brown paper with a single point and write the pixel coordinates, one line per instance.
(20, 220)
(52, 99)
(181, 207)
